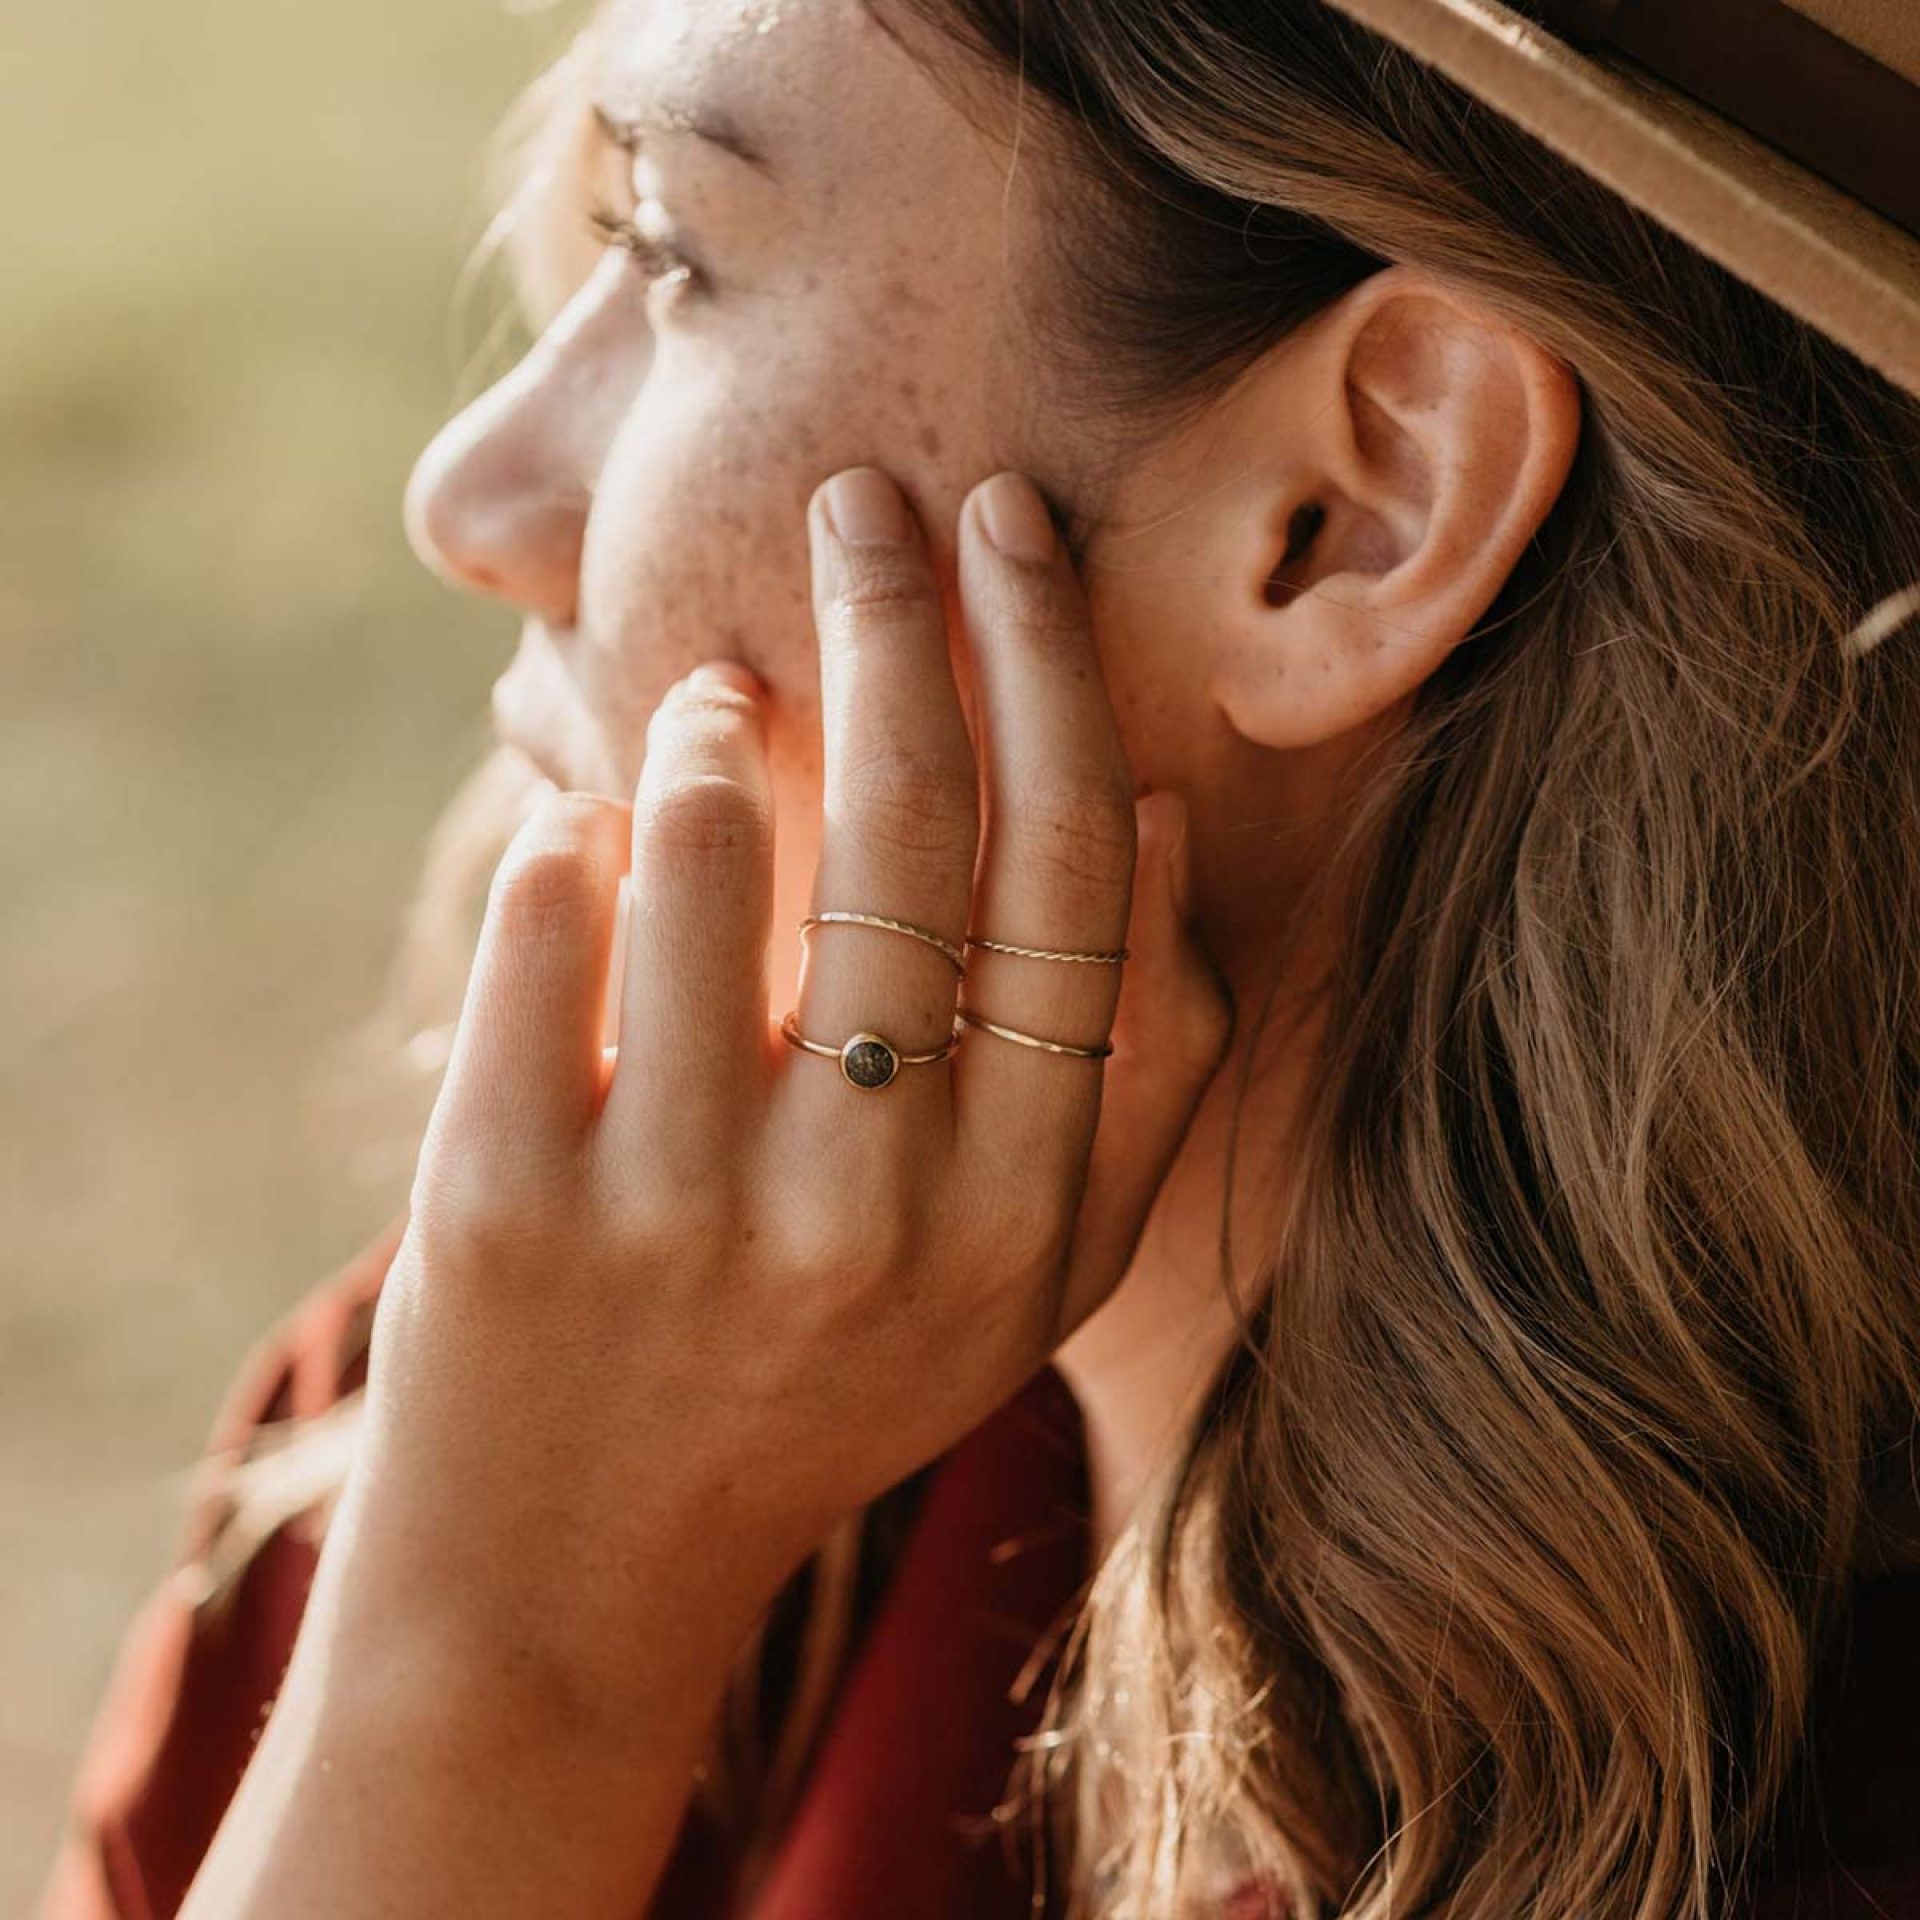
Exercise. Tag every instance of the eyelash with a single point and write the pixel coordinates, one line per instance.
(657, 259)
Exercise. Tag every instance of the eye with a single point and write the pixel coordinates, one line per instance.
(662, 263)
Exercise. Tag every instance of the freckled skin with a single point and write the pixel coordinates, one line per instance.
(639, 484)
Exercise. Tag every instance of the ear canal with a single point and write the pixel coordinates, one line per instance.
(1303, 529)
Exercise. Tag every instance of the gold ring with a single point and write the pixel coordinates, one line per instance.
(867, 1060)
(1112, 959)
(1033, 1039)
(926, 934)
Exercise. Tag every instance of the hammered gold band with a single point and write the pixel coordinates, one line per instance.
(1032, 1039)
(955, 958)
(871, 1061)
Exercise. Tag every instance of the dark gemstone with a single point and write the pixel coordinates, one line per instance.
(868, 1062)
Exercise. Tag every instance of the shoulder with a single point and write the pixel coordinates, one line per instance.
(200, 1664)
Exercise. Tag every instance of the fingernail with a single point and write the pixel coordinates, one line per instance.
(867, 509)
(730, 673)
(1016, 518)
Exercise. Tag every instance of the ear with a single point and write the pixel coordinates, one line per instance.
(1401, 450)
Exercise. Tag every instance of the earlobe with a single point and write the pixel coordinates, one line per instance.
(1425, 442)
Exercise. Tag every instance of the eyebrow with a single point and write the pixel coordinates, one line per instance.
(627, 129)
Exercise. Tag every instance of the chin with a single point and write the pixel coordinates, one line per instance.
(532, 719)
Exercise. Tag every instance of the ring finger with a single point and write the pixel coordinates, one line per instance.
(1056, 873)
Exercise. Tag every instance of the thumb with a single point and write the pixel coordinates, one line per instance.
(1171, 1028)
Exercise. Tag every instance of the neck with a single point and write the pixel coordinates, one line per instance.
(1140, 1366)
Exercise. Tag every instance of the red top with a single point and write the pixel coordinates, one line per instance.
(891, 1824)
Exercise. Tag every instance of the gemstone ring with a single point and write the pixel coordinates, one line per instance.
(868, 1061)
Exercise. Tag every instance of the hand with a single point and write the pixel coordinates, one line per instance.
(653, 1329)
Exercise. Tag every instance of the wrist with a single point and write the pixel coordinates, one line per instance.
(545, 1644)
(460, 1696)
(458, 1768)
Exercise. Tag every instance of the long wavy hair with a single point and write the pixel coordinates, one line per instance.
(1498, 1566)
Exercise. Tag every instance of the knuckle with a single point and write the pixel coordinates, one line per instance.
(1045, 617)
(676, 1206)
(488, 1234)
(654, 1226)
(879, 588)
(1032, 1240)
(1079, 833)
(704, 813)
(543, 883)
(480, 1211)
(830, 1249)
(818, 1247)
(571, 818)
(911, 803)
(555, 865)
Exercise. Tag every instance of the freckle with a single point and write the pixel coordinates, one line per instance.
(811, 284)
(909, 388)
(903, 294)
(930, 442)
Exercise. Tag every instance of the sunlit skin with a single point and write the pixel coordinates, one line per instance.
(668, 1316)
(638, 486)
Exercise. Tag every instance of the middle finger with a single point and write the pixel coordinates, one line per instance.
(901, 804)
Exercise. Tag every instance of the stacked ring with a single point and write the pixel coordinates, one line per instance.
(870, 1061)
(923, 934)
(1067, 956)
(1112, 959)
(1033, 1039)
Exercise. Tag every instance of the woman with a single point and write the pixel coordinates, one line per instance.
(1459, 653)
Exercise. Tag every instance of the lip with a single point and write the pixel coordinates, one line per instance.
(548, 770)
(524, 712)
(528, 749)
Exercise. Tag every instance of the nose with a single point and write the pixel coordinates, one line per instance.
(484, 513)
(498, 502)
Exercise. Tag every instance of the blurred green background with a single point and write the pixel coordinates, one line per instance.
(234, 704)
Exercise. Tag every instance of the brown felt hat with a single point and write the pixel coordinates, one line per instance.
(1780, 137)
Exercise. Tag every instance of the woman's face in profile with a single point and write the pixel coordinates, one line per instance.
(856, 249)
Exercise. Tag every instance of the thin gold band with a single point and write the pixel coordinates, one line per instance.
(1033, 1039)
(955, 957)
(1112, 959)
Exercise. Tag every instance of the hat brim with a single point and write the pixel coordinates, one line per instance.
(1801, 241)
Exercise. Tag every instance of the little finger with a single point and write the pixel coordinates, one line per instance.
(525, 1066)
(1058, 860)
